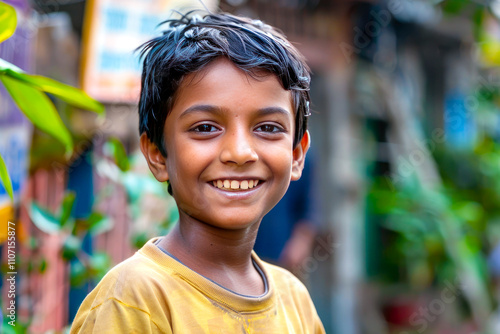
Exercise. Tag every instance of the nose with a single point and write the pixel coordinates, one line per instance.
(238, 148)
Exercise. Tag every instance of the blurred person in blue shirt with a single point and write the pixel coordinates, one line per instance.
(286, 234)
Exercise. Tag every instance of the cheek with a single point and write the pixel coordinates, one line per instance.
(280, 161)
(188, 161)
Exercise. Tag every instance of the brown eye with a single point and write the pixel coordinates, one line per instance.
(270, 128)
(205, 128)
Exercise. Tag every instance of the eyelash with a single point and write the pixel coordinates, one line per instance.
(276, 128)
(198, 127)
(209, 129)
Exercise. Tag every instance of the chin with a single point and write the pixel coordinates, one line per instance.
(234, 222)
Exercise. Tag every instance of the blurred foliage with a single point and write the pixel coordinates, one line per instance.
(29, 93)
(33, 95)
(479, 14)
(436, 234)
(115, 166)
(94, 268)
(152, 210)
(115, 149)
(83, 266)
(436, 230)
(19, 328)
(4, 176)
(453, 7)
(8, 21)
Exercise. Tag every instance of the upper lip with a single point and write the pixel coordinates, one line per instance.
(237, 178)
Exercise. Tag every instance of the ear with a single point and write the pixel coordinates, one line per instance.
(299, 156)
(156, 161)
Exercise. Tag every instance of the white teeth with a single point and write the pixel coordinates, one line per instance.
(235, 184)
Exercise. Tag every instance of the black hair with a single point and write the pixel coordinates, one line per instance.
(191, 42)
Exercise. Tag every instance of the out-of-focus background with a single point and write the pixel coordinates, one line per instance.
(405, 163)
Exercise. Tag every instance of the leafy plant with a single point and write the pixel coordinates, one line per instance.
(29, 92)
(19, 328)
(118, 153)
(441, 232)
(4, 176)
(83, 265)
(143, 193)
(435, 239)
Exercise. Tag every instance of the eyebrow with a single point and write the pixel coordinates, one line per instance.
(218, 110)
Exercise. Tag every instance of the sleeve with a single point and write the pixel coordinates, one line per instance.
(318, 327)
(307, 310)
(114, 316)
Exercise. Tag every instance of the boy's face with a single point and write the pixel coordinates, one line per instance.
(229, 146)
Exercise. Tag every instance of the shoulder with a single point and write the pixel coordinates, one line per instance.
(284, 281)
(132, 294)
(131, 282)
(293, 295)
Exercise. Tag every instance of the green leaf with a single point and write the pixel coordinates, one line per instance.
(4, 176)
(6, 66)
(66, 207)
(69, 94)
(98, 223)
(139, 239)
(477, 21)
(136, 185)
(43, 219)
(99, 264)
(6, 328)
(453, 7)
(468, 211)
(119, 154)
(42, 266)
(77, 273)
(8, 21)
(39, 109)
(71, 246)
(73, 96)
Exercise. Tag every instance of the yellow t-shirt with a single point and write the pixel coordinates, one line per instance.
(152, 292)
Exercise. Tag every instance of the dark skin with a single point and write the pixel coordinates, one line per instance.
(230, 159)
(221, 255)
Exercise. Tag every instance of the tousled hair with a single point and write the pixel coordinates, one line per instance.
(190, 43)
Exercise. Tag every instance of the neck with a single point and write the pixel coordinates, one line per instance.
(220, 254)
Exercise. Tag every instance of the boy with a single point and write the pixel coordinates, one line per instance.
(223, 110)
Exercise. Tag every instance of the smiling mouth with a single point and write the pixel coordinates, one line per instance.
(235, 185)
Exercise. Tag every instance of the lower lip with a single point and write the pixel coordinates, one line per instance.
(237, 194)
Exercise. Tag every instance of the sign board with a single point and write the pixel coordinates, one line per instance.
(113, 30)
